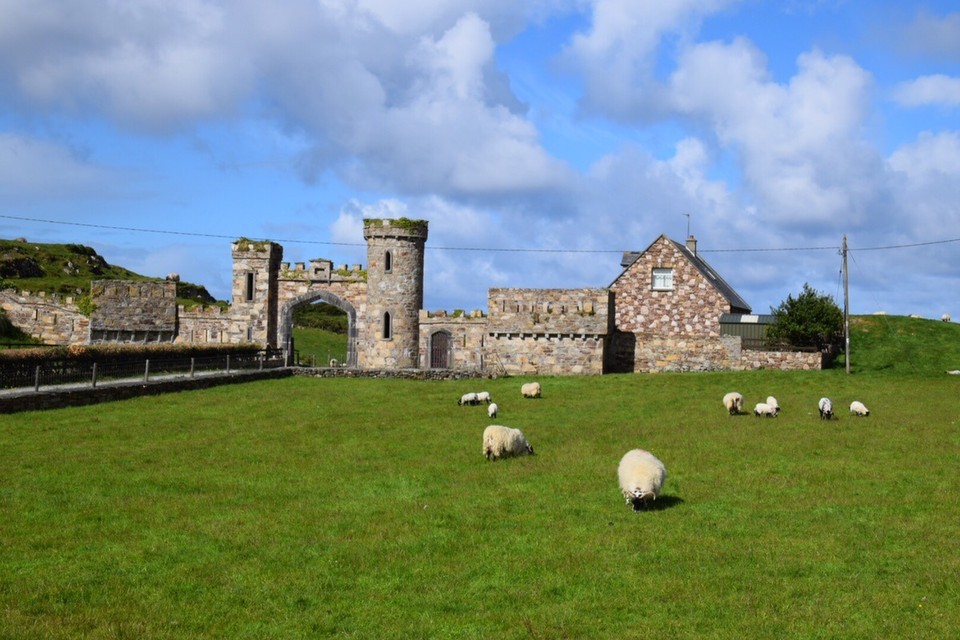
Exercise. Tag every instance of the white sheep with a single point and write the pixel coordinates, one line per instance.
(773, 403)
(530, 390)
(641, 476)
(764, 409)
(733, 401)
(492, 409)
(503, 442)
(946, 317)
(857, 408)
(484, 396)
(826, 409)
(468, 398)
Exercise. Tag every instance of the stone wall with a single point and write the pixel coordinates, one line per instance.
(543, 311)
(692, 308)
(208, 325)
(126, 311)
(465, 338)
(52, 319)
(652, 353)
(545, 354)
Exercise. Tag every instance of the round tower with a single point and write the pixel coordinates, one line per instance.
(391, 336)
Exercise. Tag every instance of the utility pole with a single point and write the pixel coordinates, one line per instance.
(846, 308)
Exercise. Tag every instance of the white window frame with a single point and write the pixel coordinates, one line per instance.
(662, 279)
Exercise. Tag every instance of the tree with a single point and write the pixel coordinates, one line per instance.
(812, 319)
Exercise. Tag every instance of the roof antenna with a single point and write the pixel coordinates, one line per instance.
(688, 223)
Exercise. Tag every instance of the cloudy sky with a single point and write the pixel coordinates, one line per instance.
(540, 139)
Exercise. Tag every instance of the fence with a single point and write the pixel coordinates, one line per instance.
(72, 372)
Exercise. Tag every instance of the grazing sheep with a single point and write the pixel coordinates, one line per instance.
(826, 409)
(173, 277)
(946, 317)
(484, 396)
(773, 403)
(468, 398)
(764, 409)
(503, 442)
(530, 390)
(733, 401)
(641, 476)
(857, 408)
(492, 409)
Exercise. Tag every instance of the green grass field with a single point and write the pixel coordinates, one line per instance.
(308, 508)
(316, 347)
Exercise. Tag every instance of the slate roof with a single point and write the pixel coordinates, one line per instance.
(737, 304)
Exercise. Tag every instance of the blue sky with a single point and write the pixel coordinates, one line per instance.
(564, 130)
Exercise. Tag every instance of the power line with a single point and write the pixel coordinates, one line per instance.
(434, 248)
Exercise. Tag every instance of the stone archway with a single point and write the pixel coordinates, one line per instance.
(286, 321)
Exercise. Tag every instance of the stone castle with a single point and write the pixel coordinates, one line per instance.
(661, 314)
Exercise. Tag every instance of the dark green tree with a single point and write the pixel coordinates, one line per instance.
(812, 319)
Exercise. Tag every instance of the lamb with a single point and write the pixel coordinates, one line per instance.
(483, 396)
(641, 476)
(773, 403)
(826, 409)
(857, 408)
(946, 317)
(733, 401)
(492, 409)
(530, 390)
(764, 409)
(503, 442)
(468, 398)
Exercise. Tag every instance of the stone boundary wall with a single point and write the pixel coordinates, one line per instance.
(52, 319)
(126, 311)
(207, 325)
(713, 353)
(782, 360)
(547, 355)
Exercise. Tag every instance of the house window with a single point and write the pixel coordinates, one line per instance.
(387, 328)
(248, 293)
(387, 262)
(663, 279)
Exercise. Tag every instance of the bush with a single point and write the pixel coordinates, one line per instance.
(812, 319)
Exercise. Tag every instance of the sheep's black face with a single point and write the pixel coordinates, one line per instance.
(640, 504)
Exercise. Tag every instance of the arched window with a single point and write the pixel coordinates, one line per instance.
(387, 262)
(387, 328)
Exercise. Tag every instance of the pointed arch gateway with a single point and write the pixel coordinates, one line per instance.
(286, 321)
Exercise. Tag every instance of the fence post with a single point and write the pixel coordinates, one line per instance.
(228, 363)
(36, 379)
(146, 370)
(192, 360)
(93, 381)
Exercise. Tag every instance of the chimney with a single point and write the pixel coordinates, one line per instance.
(692, 244)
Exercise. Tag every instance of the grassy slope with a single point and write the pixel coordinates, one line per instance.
(363, 508)
(316, 346)
(897, 344)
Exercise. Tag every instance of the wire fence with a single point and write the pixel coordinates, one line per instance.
(56, 373)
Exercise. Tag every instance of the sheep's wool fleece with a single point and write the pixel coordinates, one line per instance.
(502, 442)
(640, 469)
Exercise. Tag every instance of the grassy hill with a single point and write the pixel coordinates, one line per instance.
(68, 269)
(898, 344)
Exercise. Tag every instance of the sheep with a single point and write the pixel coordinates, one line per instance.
(733, 401)
(492, 409)
(173, 277)
(641, 476)
(857, 408)
(503, 442)
(773, 403)
(483, 396)
(826, 409)
(946, 317)
(764, 409)
(468, 398)
(530, 390)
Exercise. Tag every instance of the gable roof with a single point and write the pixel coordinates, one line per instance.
(737, 304)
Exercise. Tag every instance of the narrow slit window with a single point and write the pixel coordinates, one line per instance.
(387, 262)
(387, 328)
(248, 289)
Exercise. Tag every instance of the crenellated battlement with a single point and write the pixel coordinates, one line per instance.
(322, 270)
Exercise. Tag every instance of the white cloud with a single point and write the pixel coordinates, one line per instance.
(34, 168)
(937, 90)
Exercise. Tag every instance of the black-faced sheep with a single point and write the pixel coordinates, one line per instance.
(503, 442)
(857, 408)
(492, 409)
(484, 396)
(530, 390)
(468, 398)
(641, 476)
(946, 317)
(764, 409)
(826, 409)
(733, 401)
(773, 403)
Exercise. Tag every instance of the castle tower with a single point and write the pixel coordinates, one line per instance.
(256, 267)
(391, 336)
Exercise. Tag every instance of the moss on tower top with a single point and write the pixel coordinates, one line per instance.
(397, 223)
